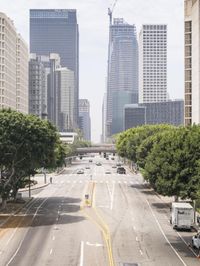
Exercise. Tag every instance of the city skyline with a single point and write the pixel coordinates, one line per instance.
(94, 41)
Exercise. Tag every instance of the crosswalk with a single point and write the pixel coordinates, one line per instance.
(97, 182)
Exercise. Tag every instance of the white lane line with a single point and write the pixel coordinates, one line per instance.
(119, 182)
(187, 244)
(141, 252)
(80, 182)
(82, 251)
(53, 238)
(136, 239)
(112, 197)
(51, 251)
(161, 230)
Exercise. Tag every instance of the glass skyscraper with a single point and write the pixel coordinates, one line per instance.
(122, 67)
(56, 31)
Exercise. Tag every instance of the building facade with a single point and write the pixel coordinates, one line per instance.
(153, 63)
(169, 112)
(122, 65)
(13, 67)
(22, 76)
(120, 99)
(84, 118)
(42, 85)
(192, 62)
(56, 31)
(64, 99)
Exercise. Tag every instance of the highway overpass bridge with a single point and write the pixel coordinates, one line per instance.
(97, 149)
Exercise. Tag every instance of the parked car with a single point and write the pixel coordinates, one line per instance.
(114, 166)
(121, 170)
(90, 161)
(98, 164)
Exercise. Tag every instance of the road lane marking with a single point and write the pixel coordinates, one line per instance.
(94, 245)
(136, 239)
(53, 238)
(141, 252)
(51, 251)
(82, 253)
(161, 230)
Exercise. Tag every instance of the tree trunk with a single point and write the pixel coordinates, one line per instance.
(176, 198)
(15, 190)
(3, 204)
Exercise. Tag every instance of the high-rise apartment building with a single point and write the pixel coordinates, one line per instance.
(56, 31)
(192, 62)
(122, 65)
(13, 67)
(153, 63)
(84, 118)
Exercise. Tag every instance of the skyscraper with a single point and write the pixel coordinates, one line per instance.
(122, 65)
(13, 67)
(84, 118)
(192, 62)
(56, 31)
(153, 64)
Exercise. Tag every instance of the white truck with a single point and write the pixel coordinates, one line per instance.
(182, 215)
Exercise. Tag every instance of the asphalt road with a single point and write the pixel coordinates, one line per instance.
(122, 223)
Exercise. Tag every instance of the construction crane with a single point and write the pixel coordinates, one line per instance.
(110, 11)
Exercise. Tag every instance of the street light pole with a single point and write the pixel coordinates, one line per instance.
(29, 187)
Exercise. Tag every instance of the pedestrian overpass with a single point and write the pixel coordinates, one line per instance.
(107, 148)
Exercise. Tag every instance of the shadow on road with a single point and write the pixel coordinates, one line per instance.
(45, 212)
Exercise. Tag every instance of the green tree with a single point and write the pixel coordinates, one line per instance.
(26, 143)
(173, 163)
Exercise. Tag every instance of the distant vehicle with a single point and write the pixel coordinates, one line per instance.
(87, 167)
(90, 161)
(98, 164)
(114, 166)
(112, 158)
(196, 241)
(118, 164)
(80, 171)
(107, 158)
(182, 215)
(107, 171)
(121, 170)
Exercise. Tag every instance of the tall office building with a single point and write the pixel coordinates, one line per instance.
(103, 135)
(42, 86)
(84, 118)
(56, 31)
(192, 62)
(122, 65)
(64, 99)
(13, 67)
(153, 63)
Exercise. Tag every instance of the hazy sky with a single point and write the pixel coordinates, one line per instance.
(93, 29)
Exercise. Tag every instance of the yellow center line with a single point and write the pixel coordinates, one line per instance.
(100, 224)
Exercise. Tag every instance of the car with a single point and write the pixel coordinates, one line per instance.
(196, 241)
(87, 167)
(107, 158)
(107, 171)
(112, 158)
(80, 171)
(98, 164)
(90, 161)
(114, 166)
(121, 170)
(118, 164)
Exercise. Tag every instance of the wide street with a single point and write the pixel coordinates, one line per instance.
(122, 223)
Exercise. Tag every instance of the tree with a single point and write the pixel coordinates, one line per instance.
(26, 143)
(173, 163)
(147, 144)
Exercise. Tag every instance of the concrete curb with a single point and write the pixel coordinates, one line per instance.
(33, 188)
